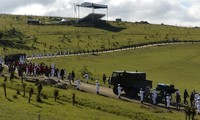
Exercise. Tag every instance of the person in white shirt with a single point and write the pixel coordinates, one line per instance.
(119, 89)
(86, 77)
(154, 96)
(168, 100)
(97, 87)
(197, 104)
(141, 94)
(77, 83)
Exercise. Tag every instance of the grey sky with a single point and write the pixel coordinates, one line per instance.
(174, 12)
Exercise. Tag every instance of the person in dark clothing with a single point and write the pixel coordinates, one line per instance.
(39, 89)
(62, 72)
(73, 76)
(165, 98)
(178, 99)
(185, 96)
(192, 98)
(104, 78)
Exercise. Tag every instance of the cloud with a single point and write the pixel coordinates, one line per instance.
(180, 12)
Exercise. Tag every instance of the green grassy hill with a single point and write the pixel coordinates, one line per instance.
(173, 64)
(51, 37)
(88, 106)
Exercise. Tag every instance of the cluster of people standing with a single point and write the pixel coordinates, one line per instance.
(35, 69)
(194, 98)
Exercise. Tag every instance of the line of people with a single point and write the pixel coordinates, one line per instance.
(194, 98)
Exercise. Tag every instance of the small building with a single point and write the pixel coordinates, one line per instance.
(118, 20)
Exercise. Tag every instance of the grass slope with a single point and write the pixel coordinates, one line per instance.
(53, 38)
(89, 106)
(173, 64)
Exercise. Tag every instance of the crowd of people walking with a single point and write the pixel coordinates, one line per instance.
(35, 69)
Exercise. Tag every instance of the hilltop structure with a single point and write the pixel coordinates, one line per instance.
(92, 17)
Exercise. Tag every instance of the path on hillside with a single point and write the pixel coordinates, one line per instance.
(42, 56)
(104, 91)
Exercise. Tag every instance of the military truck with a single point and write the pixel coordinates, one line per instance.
(163, 90)
(131, 82)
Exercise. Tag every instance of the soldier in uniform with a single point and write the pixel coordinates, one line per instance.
(77, 83)
(154, 96)
(97, 86)
(119, 89)
(168, 100)
(141, 94)
(198, 105)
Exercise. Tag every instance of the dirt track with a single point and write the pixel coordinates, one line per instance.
(105, 91)
(87, 87)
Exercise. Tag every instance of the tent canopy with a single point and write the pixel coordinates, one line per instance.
(93, 5)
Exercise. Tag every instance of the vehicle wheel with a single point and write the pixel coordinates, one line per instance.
(115, 90)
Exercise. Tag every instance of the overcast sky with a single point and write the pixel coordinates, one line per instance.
(173, 12)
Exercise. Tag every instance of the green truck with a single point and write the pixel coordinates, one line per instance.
(131, 82)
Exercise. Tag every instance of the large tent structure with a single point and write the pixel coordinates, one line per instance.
(93, 5)
(92, 17)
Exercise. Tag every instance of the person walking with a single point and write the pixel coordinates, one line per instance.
(141, 94)
(178, 99)
(154, 96)
(196, 96)
(97, 87)
(104, 78)
(168, 100)
(192, 98)
(198, 105)
(119, 89)
(86, 77)
(77, 84)
(70, 78)
(73, 76)
(185, 96)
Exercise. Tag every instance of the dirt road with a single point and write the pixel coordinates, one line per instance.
(105, 91)
(87, 87)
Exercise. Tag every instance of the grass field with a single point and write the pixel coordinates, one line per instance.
(89, 106)
(53, 38)
(172, 64)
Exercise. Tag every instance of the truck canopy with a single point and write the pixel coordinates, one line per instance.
(128, 78)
